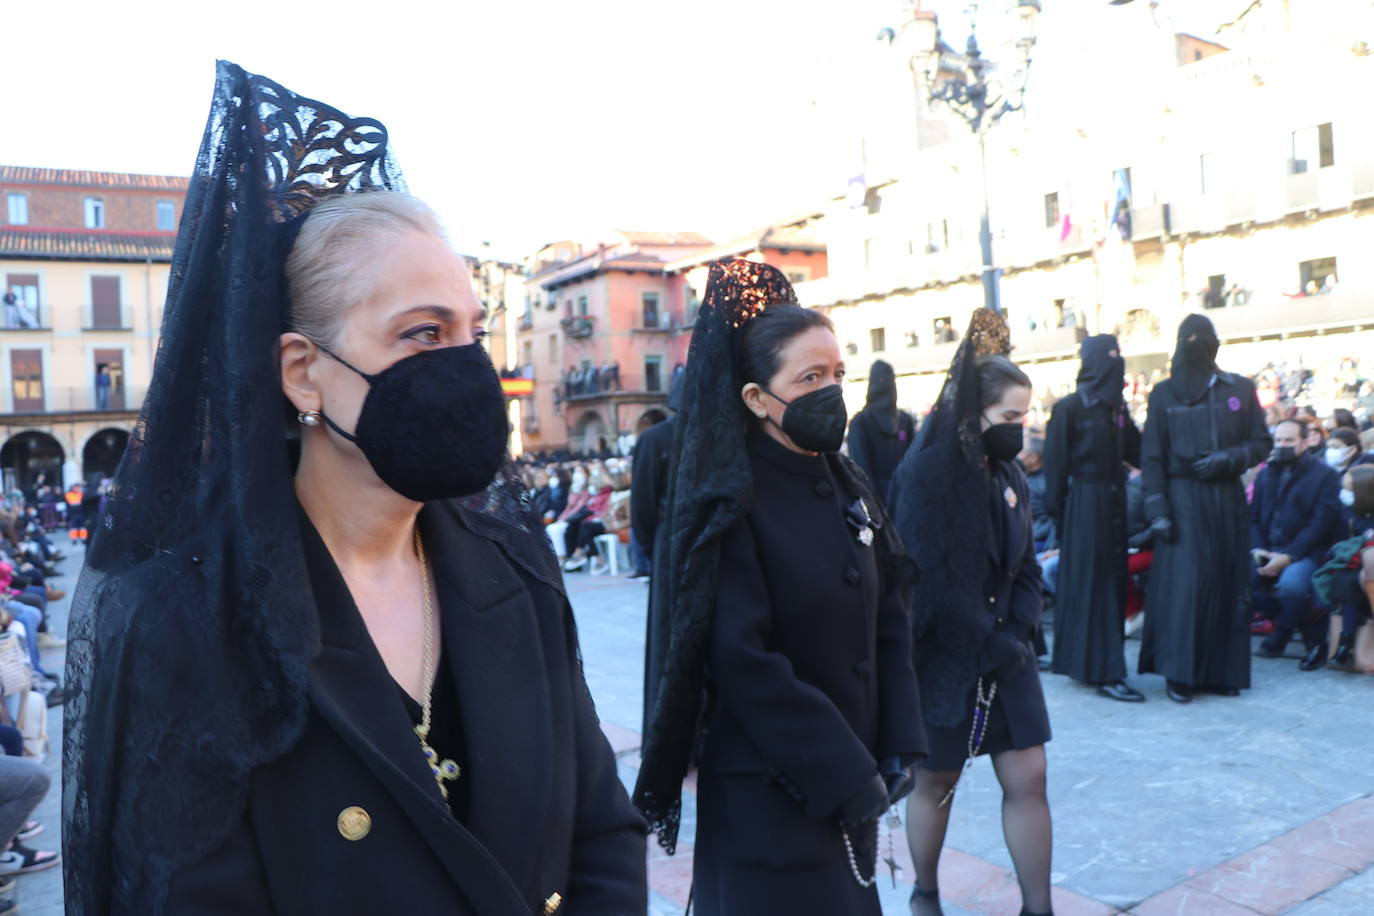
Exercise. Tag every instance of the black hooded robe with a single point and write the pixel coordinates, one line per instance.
(1089, 441)
(1086, 450)
(880, 434)
(1197, 628)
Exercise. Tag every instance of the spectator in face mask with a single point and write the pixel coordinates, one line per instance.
(1353, 587)
(1295, 507)
(1343, 450)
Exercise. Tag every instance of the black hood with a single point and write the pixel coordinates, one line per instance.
(1102, 372)
(881, 403)
(1195, 359)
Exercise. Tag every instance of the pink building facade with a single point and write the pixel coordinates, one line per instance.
(605, 327)
(602, 330)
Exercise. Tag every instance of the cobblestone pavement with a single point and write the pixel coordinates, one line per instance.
(1260, 804)
(1230, 807)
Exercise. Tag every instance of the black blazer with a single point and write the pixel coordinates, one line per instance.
(1295, 513)
(549, 828)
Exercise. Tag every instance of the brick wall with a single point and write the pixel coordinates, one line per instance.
(64, 208)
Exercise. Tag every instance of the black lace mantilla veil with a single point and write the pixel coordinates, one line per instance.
(710, 486)
(937, 500)
(193, 622)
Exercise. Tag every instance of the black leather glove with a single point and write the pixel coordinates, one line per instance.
(1003, 655)
(1217, 464)
(900, 779)
(864, 806)
(1163, 529)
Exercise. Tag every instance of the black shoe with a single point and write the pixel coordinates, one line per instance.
(1180, 693)
(1272, 647)
(922, 902)
(1121, 692)
(1314, 659)
(1345, 652)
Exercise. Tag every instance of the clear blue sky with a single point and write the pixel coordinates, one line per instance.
(521, 121)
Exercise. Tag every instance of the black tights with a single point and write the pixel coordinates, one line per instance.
(1025, 824)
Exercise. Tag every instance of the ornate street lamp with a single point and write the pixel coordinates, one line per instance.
(974, 88)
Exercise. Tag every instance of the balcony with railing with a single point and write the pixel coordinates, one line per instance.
(1046, 342)
(24, 317)
(579, 326)
(1297, 315)
(658, 323)
(32, 397)
(104, 318)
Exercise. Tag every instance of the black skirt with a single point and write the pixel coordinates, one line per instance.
(1018, 720)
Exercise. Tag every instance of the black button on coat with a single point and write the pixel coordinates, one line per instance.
(547, 813)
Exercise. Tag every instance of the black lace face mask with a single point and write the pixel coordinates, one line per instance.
(433, 425)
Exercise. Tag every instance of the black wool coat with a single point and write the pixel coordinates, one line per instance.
(549, 828)
(812, 682)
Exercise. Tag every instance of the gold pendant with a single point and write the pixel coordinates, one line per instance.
(444, 770)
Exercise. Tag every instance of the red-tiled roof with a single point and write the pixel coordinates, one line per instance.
(25, 174)
(788, 237)
(684, 239)
(80, 245)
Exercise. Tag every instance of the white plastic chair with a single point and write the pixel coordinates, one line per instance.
(608, 549)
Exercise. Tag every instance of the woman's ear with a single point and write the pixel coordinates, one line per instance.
(752, 395)
(297, 354)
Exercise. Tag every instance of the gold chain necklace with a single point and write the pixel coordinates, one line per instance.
(444, 770)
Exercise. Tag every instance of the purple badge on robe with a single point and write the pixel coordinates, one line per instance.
(1234, 404)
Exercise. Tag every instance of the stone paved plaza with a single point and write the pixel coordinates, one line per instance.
(1232, 807)
(1260, 804)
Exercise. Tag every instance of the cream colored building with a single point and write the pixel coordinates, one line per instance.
(86, 256)
(1250, 171)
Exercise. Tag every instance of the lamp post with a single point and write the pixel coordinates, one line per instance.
(969, 85)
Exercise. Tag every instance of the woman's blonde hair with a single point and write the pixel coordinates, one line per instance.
(322, 268)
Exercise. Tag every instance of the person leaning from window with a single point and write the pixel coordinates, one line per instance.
(352, 689)
(794, 619)
(1294, 508)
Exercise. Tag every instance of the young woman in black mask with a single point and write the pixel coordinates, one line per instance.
(962, 506)
(285, 682)
(800, 631)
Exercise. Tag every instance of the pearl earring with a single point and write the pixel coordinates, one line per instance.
(308, 418)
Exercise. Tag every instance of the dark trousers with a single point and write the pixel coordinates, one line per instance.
(1349, 593)
(587, 533)
(1287, 600)
(582, 532)
(574, 530)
